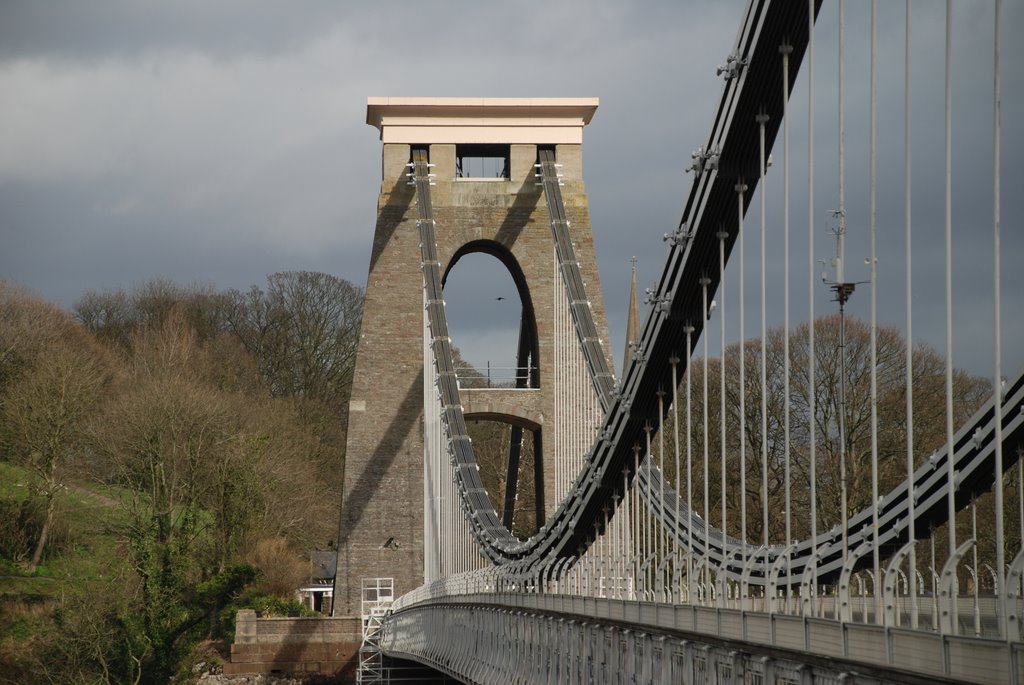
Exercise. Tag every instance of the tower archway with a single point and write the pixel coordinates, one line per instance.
(508, 444)
(525, 371)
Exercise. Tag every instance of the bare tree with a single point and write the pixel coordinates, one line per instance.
(108, 315)
(491, 446)
(180, 433)
(303, 330)
(929, 420)
(296, 340)
(56, 378)
(282, 568)
(28, 327)
(115, 315)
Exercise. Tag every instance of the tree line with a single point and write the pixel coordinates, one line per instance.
(218, 419)
(215, 421)
(928, 432)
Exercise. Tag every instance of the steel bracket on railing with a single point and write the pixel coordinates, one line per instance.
(890, 581)
(809, 584)
(1011, 596)
(748, 567)
(948, 590)
(703, 588)
(845, 610)
(773, 575)
(644, 567)
(666, 589)
(722, 579)
(691, 577)
(555, 574)
(678, 564)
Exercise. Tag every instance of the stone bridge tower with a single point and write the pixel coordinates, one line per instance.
(383, 527)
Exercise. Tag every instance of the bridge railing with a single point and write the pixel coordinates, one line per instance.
(493, 376)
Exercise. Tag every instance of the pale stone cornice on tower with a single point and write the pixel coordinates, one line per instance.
(542, 121)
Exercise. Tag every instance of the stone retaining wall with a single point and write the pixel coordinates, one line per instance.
(328, 646)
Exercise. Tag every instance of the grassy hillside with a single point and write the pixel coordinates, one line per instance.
(86, 549)
(174, 395)
(86, 561)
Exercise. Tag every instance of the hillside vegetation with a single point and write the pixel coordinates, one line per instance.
(165, 456)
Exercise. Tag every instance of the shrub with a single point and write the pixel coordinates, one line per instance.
(267, 605)
(21, 521)
(282, 569)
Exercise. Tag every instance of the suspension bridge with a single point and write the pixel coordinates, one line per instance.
(708, 515)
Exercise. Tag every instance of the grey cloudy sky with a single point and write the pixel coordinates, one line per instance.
(220, 142)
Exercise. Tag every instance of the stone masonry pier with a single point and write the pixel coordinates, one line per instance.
(327, 646)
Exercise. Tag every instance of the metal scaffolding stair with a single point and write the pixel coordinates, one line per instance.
(377, 596)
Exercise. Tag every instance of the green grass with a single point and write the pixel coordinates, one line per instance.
(13, 480)
(91, 552)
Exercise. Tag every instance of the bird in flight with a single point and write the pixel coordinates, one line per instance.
(499, 299)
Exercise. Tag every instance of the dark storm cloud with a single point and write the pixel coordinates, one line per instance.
(221, 142)
(74, 30)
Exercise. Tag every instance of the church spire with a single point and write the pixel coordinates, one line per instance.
(632, 323)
